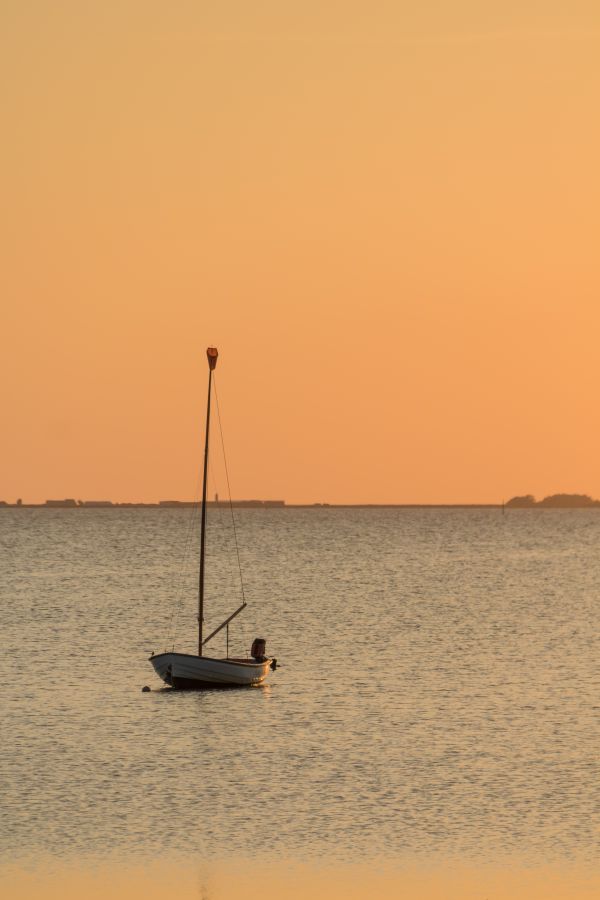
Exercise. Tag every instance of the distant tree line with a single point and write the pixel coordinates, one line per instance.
(554, 501)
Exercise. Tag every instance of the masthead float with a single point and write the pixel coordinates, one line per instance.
(186, 670)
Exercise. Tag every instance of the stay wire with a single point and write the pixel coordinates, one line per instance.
(237, 549)
(225, 537)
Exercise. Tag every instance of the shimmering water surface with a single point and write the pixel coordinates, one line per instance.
(438, 694)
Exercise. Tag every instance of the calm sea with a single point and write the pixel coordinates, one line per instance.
(438, 695)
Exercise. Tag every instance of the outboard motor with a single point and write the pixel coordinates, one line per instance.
(259, 646)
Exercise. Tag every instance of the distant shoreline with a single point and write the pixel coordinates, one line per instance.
(246, 504)
(270, 505)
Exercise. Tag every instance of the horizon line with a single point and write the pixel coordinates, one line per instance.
(528, 501)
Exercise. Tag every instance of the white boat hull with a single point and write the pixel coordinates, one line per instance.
(183, 670)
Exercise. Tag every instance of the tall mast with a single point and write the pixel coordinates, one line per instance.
(212, 354)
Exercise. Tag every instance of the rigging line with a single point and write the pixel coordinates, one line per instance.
(226, 556)
(237, 549)
(224, 535)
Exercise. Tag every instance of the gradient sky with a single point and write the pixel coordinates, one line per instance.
(385, 215)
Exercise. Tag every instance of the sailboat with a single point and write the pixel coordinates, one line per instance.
(187, 670)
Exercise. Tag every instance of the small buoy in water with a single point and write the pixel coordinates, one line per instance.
(145, 689)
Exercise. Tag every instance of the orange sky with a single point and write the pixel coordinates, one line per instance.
(384, 214)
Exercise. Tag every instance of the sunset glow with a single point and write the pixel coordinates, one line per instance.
(384, 216)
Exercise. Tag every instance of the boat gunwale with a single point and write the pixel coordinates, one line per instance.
(234, 662)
